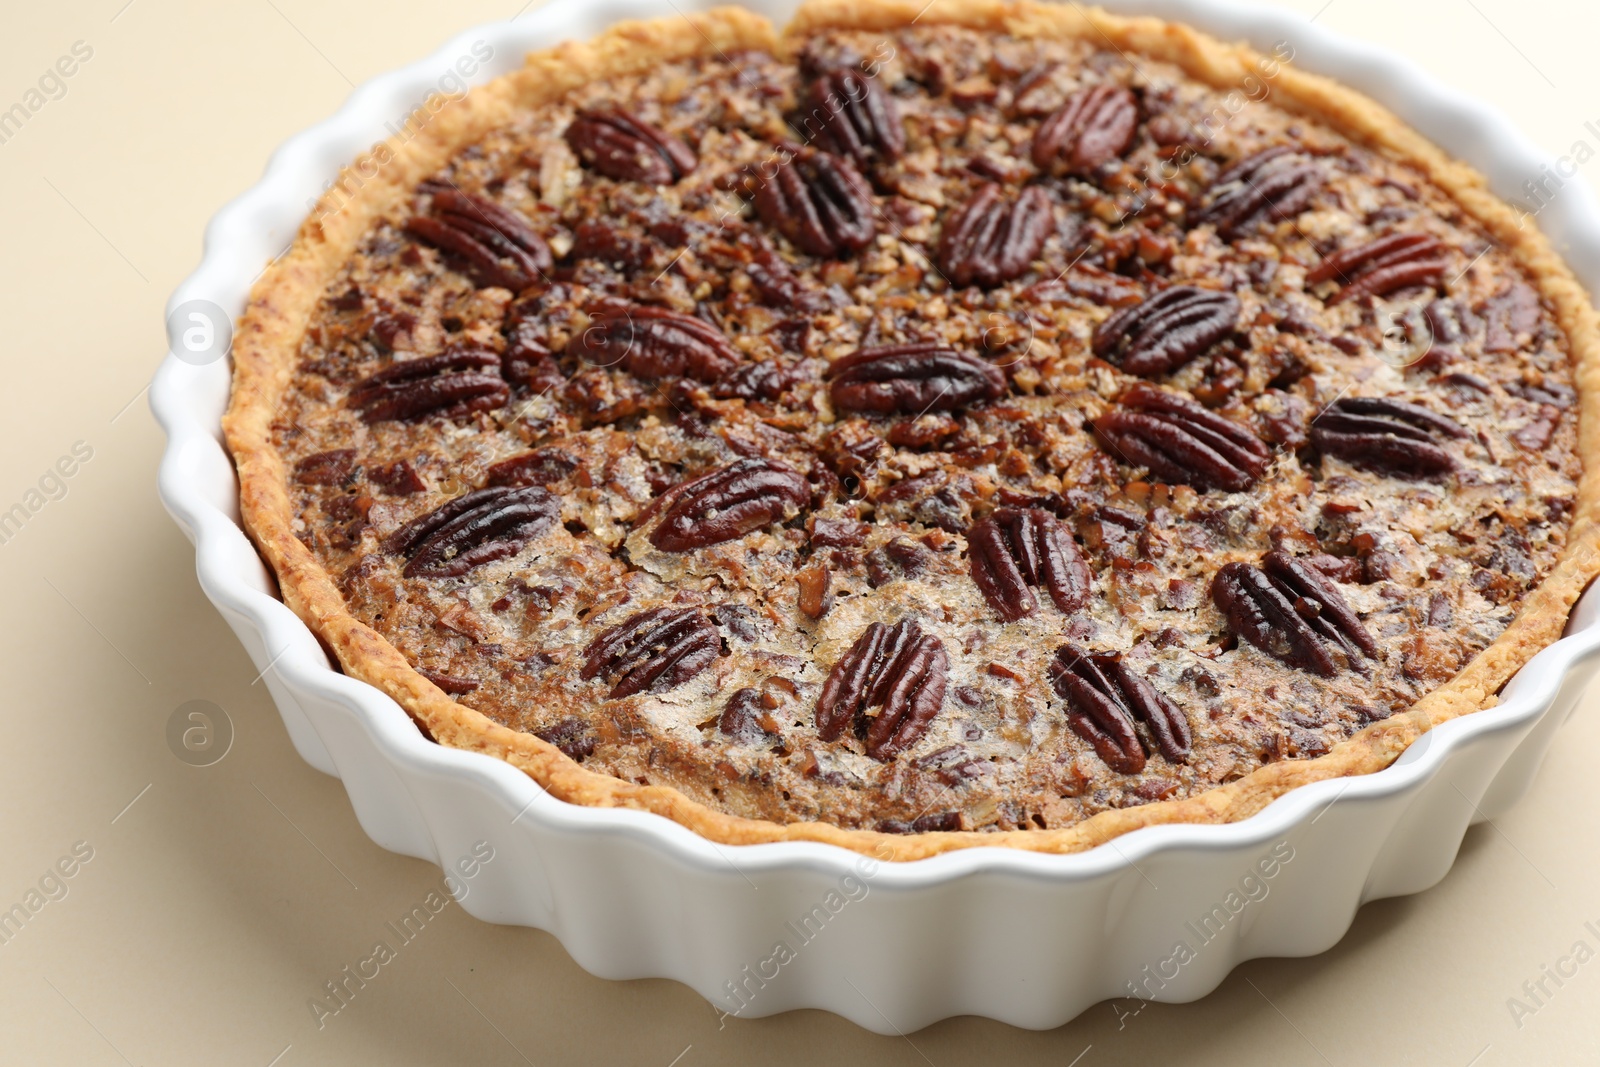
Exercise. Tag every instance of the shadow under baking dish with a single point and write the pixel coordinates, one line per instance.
(767, 928)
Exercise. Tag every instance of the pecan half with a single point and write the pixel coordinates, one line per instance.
(912, 379)
(456, 382)
(728, 503)
(499, 247)
(653, 651)
(652, 342)
(898, 667)
(1380, 267)
(1016, 548)
(990, 240)
(624, 147)
(1181, 442)
(848, 115)
(820, 202)
(1166, 330)
(1386, 435)
(1273, 185)
(1292, 612)
(1104, 697)
(1094, 127)
(471, 530)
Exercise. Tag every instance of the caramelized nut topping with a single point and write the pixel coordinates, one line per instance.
(499, 248)
(898, 667)
(1018, 548)
(820, 202)
(1104, 697)
(850, 116)
(456, 382)
(652, 342)
(620, 145)
(1095, 126)
(1180, 441)
(1166, 330)
(1273, 185)
(1381, 267)
(653, 651)
(1388, 435)
(471, 530)
(912, 379)
(729, 503)
(990, 240)
(1291, 612)
(332, 467)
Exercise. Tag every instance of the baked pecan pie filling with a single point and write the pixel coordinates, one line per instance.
(935, 430)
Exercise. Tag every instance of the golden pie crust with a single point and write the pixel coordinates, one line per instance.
(271, 328)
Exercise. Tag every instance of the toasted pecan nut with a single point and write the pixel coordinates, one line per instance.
(1273, 185)
(542, 466)
(1181, 442)
(776, 282)
(653, 342)
(728, 503)
(746, 719)
(399, 478)
(932, 823)
(1104, 697)
(498, 246)
(450, 683)
(1094, 127)
(1167, 330)
(1388, 435)
(990, 239)
(456, 382)
(653, 651)
(571, 735)
(847, 114)
(1018, 548)
(820, 202)
(622, 146)
(898, 667)
(912, 379)
(471, 530)
(1292, 612)
(1380, 267)
(765, 380)
(815, 595)
(1094, 712)
(333, 467)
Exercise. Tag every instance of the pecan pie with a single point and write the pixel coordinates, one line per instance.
(986, 424)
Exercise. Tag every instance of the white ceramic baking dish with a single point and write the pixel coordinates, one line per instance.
(1031, 939)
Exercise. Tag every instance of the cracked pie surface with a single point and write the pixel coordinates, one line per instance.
(1010, 426)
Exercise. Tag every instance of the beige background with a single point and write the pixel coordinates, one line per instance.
(220, 901)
